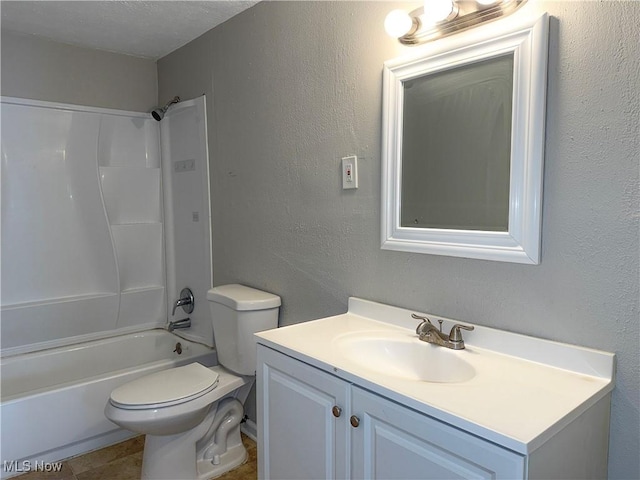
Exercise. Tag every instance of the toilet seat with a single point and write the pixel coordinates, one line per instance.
(166, 388)
(180, 415)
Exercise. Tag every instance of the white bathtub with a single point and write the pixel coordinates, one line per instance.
(53, 401)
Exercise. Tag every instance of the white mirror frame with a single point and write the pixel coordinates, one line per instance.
(521, 243)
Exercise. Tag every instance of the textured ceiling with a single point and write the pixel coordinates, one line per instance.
(149, 29)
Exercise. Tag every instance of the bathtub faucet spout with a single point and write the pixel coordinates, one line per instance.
(184, 323)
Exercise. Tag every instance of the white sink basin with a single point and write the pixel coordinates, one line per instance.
(405, 356)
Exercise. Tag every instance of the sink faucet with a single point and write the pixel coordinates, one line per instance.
(184, 323)
(427, 332)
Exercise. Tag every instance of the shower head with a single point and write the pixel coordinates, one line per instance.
(158, 113)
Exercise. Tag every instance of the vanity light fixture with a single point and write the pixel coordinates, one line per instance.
(440, 18)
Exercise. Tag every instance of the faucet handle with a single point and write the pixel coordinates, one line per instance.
(185, 301)
(420, 329)
(455, 335)
(418, 317)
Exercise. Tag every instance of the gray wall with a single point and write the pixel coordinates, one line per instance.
(40, 69)
(294, 86)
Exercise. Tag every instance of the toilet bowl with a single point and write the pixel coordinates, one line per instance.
(191, 415)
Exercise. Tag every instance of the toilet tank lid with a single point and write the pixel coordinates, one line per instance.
(240, 297)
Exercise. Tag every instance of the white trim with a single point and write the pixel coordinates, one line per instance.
(250, 429)
(521, 244)
(71, 107)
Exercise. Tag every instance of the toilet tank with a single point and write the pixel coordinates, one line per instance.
(237, 312)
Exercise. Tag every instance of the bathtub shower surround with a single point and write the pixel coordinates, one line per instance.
(82, 236)
(86, 211)
(53, 401)
(187, 217)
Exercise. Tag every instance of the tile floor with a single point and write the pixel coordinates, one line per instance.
(123, 461)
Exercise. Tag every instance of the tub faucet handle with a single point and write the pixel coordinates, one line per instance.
(185, 301)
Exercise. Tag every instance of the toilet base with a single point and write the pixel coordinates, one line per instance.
(169, 457)
(232, 458)
(212, 448)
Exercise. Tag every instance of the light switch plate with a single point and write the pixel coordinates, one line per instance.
(349, 172)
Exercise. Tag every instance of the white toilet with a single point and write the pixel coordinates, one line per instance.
(191, 415)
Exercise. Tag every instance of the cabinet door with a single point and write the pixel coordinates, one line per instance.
(300, 434)
(395, 442)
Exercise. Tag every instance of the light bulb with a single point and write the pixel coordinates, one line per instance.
(437, 10)
(398, 23)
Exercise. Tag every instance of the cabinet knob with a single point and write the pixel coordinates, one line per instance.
(337, 411)
(355, 421)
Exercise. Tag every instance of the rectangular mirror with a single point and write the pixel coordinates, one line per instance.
(462, 115)
(463, 137)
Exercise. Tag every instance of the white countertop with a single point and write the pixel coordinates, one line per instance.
(524, 391)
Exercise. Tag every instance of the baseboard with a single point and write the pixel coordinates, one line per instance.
(250, 429)
(68, 451)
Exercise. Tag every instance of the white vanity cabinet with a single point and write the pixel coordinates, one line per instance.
(360, 396)
(393, 442)
(303, 416)
(314, 425)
